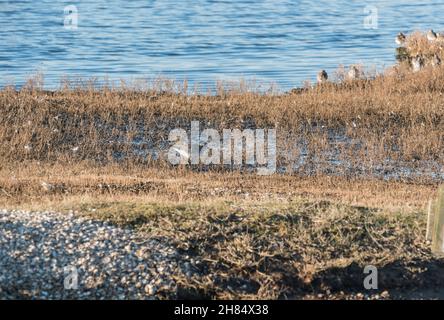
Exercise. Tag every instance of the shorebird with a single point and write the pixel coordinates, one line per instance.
(436, 61)
(431, 35)
(417, 63)
(183, 153)
(47, 186)
(353, 73)
(400, 39)
(322, 76)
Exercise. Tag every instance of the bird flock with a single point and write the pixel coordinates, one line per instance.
(416, 61)
(353, 73)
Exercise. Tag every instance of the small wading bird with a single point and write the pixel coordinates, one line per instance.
(353, 73)
(417, 63)
(400, 39)
(431, 35)
(322, 76)
(182, 153)
(46, 186)
(436, 61)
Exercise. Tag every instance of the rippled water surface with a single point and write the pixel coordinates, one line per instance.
(272, 41)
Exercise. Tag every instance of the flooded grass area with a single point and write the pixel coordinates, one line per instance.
(388, 128)
(357, 163)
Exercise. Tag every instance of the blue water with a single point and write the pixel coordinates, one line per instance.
(278, 42)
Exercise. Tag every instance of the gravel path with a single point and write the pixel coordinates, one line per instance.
(43, 253)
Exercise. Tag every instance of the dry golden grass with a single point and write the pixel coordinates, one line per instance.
(257, 237)
(21, 185)
(397, 117)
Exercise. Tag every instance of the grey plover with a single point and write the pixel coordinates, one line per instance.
(353, 73)
(431, 35)
(417, 63)
(322, 76)
(400, 39)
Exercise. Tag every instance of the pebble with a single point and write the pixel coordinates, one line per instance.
(49, 255)
(150, 290)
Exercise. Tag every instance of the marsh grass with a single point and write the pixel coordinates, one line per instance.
(396, 117)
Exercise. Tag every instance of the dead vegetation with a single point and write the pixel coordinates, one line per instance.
(366, 127)
(248, 236)
(285, 250)
(22, 185)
